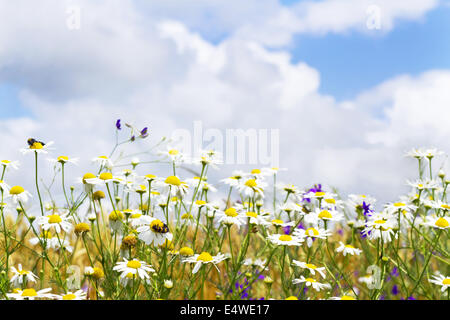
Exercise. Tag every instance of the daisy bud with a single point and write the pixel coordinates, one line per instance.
(82, 228)
(92, 217)
(72, 188)
(268, 280)
(168, 284)
(441, 174)
(48, 206)
(31, 218)
(135, 162)
(98, 195)
(385, 259)
(186, 251)
(129, 241)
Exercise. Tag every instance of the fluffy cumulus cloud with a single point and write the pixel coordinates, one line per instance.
(155, 64)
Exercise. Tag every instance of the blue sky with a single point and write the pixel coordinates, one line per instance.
(350, 63)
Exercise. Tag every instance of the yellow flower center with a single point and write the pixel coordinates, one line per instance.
(285, 237)
(82, 227)
(115, 215)
(331, 200)
(441, 223)
(63, 159)
(16, 190)
(252, 214)
(349, 246)
(106, 176)
(311, 266)
(251, 183)
(29, 293)
(446, 281)
(150, 176)
(173, 152)
(347, 298)
(399, 204)
(445, 206)
(69, 296)
(88, 176)
(325, 214)
(205, 257)
(98, 273)
(231, 212)
(134, 264)
(312, 232)
(157, 226)
(54, 218)
(136, 215)
(200, 202)
(36, 146)
(381, 221)
(186, 251)
(174, 181)
(310, 280)
(5, 162)
(255, 171)
(277, 221)
(319, 194)
(291, 298)
(187, 216)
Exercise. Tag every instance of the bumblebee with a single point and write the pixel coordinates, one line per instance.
(160, 229)
(32, 141)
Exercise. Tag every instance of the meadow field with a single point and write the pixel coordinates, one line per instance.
(125, 233)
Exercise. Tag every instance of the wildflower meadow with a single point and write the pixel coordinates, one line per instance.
(126, 233)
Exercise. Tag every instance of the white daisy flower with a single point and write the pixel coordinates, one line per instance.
(311, 267)
(77, 295)
(234, 180)
(104, 161)
(310, 282)
(437, 222)
(173, 154)
(135, 267)
(20, 276)
(8, 163)
(251, 187)
(231, 217)
(441, 280)
(4, 186)
(258, 263)
(64, 160)
(19, 194)
(312, 233)
(31, 294)
(348, 249)
(257, 219)
(37, 146)
(208, 157)
(56, 221)
(417, 153)
(203, 259)
(281, 224)
(154, 231)
(285, 240)
(381, 225)
(175, 185)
